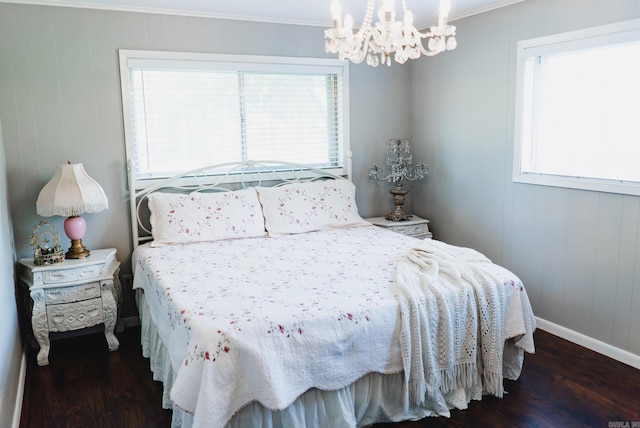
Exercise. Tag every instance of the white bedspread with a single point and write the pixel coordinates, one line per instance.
(457, 310)
(266, 319)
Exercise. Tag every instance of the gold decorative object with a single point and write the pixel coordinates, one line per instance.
(45, 241)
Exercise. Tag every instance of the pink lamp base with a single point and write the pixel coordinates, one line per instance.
(75, 227)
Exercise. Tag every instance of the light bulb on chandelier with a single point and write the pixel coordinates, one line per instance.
(387, 37)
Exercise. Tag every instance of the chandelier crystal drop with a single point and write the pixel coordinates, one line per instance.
(387, 37)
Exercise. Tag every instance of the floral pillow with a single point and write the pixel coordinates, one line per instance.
(309, 206)
(196, 217)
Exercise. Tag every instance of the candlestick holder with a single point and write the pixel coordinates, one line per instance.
(399, 167)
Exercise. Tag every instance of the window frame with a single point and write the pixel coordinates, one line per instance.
(230, 62)
(609, 34)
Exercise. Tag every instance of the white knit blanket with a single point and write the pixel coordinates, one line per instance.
(457, 309)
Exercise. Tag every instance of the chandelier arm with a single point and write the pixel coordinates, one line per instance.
(427, 52)
(360, 53)
(358, 59)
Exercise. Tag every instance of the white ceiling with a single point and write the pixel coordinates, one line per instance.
(308, 12)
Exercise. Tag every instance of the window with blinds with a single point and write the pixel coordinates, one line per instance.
(578, 104)
(185, 111)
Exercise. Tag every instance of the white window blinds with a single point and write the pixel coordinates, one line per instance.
(204, 110)
(579, 110)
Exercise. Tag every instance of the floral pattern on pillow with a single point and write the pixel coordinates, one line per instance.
(178, 218)
(305, 207)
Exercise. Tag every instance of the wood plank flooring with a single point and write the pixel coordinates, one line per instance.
(562, 385)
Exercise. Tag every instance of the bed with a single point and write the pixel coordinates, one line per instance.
(266, 300)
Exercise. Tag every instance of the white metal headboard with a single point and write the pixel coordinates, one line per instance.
(217, 178)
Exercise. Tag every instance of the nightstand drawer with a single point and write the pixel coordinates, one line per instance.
(412, 230)
(66, 275)
(54, 296)
(74, 316)
(416, 227)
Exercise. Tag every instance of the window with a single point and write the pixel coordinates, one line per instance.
(183, 111)
(577, 109)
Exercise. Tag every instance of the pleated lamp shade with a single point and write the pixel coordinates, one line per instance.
(72, 192)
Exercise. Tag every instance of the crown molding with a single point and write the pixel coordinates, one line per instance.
(236, 17)
(161, 11)
(472, 12)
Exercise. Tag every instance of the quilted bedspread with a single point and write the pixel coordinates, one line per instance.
(265, 319)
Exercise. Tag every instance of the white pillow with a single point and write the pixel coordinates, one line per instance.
(309, 206)
(196, 217)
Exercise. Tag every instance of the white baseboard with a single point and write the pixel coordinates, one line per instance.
(17, 411)
(610, 351)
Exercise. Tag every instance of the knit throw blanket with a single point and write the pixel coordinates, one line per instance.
(452, 310)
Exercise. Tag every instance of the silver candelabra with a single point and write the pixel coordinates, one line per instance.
(399, 167)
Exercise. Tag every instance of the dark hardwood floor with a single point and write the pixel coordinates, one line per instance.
(562, 385)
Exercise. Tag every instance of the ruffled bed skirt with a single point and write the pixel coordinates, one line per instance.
(374, 398)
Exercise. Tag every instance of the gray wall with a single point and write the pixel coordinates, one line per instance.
(10, 346)
(578, 252)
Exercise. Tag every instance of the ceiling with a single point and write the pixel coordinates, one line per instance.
(307, 12)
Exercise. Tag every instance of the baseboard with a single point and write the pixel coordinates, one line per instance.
(17, 411)
(610, 351)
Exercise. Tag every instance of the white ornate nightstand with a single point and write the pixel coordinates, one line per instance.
(416, 227)
(72, 295)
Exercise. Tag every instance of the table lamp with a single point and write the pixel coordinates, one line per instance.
(72, 192)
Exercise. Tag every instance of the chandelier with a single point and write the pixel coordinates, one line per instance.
(400, 166)
(388, 36)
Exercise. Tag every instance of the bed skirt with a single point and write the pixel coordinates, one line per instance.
(374, 398)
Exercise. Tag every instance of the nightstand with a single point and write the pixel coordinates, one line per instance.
(416, 227)
(72, 295)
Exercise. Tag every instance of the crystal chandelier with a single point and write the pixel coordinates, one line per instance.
(399, 162)
(388, 36)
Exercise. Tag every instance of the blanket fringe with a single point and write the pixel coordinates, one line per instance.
(464, 375)
(493, 383)
(459, 376)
